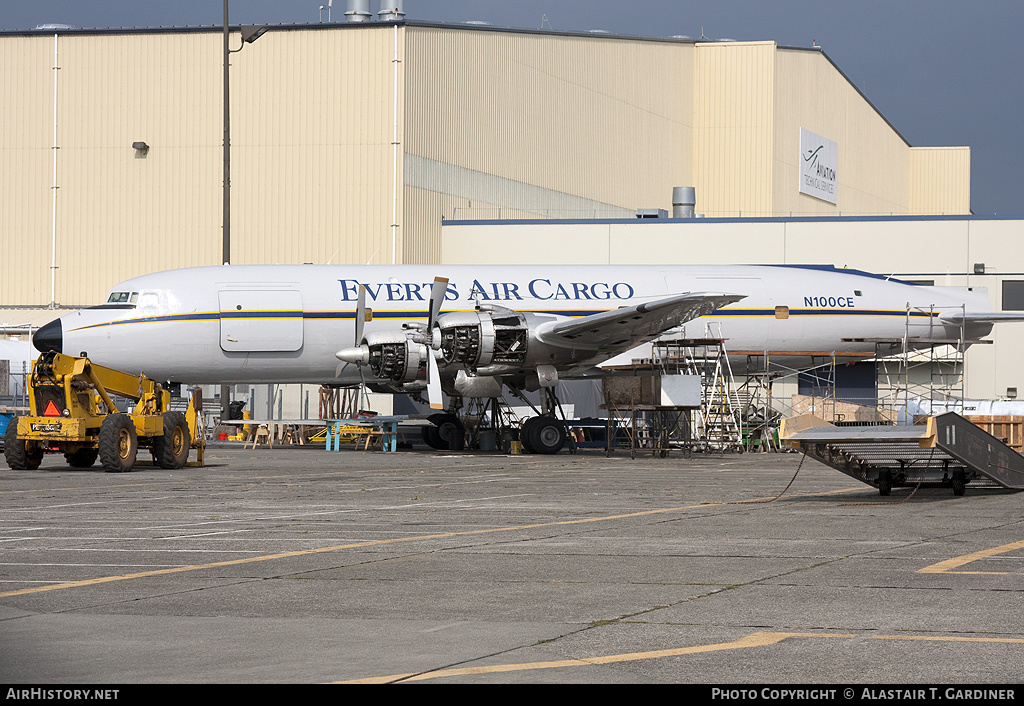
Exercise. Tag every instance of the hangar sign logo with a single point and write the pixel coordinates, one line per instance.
(819, 162)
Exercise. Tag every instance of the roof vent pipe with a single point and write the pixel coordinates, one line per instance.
(358, 11)
(391, 11)
(684, 200)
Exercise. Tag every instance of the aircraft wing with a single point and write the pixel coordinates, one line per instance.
(625, 328)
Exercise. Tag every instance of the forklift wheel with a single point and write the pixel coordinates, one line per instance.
(118, 443)
(171, 449)
(16, 451)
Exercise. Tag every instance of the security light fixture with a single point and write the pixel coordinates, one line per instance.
(1011, 393)
(250, 33)
(979, 268)
(141, 147)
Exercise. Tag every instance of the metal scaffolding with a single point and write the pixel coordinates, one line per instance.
(915, 368)
(717, 424)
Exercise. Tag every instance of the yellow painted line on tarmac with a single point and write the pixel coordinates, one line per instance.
(338, 547)
(950, 638)
(947, 566)
(757, 639)
(356, 545)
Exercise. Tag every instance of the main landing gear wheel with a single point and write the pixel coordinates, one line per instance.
(447, 434)
(171, 449)
(544, 434)
(524, 434)
(432, 439)
(118, 443)
(20, 456)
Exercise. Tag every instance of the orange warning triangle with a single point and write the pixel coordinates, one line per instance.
(51, 410)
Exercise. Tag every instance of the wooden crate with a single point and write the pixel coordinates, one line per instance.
(1006, 428)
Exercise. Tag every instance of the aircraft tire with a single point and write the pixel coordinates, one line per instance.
(547, 435)
(82, 458)
(16, 451)
(432, 439)
(118, 443)
(524, 434)
(451, 433)
(171, 449)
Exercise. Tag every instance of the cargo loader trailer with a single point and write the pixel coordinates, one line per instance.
(947, 450)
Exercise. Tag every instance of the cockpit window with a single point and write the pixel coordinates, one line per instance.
(122, 297)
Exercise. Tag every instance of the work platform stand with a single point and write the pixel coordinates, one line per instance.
(716, 422)
(486, 416)
(657, 429)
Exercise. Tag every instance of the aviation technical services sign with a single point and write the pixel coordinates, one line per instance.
(819, 163)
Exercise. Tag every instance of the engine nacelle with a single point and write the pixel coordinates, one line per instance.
(488, 336)
(394, 356)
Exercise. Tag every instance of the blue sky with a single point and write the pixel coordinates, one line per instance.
(943, 72)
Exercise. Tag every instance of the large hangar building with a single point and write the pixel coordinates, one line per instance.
(352, 143)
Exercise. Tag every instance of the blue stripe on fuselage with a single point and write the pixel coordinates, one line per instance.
(349, 315)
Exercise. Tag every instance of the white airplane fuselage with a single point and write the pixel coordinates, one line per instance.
(284, 323)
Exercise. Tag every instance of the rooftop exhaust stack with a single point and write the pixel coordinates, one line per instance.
(684, 200)
(391, 11)
(358, 11)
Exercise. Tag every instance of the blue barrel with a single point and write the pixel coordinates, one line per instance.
(488, 439)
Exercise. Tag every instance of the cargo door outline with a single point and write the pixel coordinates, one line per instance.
(260, 320)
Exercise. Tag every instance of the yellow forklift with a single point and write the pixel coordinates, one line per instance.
(72, 412)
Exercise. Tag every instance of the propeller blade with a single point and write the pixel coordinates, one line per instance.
(433, 382)
(437, 292)
(360, 316)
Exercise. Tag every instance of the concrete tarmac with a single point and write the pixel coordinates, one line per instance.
(299, 565)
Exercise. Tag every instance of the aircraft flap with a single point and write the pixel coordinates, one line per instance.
(633, 325)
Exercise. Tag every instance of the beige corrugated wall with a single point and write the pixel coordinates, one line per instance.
(490, 123)
(874, 172)
(940, 180)
(734, 121)
(539, 125)
(121, 212)
(26, 169)
(311, 157)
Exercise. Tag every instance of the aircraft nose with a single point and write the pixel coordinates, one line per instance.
(50, 337)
